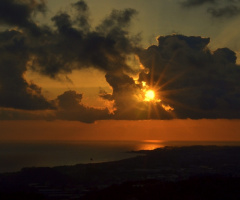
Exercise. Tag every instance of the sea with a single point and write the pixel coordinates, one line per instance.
(17, 155)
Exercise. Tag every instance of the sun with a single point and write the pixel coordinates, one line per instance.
(149, 95)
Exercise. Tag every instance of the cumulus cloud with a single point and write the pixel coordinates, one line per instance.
(129, 101)
(15, 91)
(70, 108)
(71, 44)
(198, 83)
(190, 81)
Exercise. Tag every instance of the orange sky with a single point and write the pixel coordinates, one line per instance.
(186, 130)
(154, 19)
(87, 81)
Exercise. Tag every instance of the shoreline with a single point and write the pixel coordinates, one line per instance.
(170, 164)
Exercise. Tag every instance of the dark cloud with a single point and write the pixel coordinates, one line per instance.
(191, 3)
(128, 99)
(82, 17)
(190, 80)
(70, 108)
(15, 52)
(73, 45)
(227, 11)
(15, 114)
(198, 83)
(219, 9)
(15, 91)
(124, 89)
(107, 96)
(20, 13)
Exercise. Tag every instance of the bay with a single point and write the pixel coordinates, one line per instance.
(16, 155)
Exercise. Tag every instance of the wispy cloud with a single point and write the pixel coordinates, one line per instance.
(217, 9)
(192, 3)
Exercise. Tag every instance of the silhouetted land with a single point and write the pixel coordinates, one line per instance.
(196, 172)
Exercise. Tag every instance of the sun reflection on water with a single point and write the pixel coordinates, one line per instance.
(149, 145)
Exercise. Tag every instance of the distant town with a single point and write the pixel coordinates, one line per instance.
(194, 171)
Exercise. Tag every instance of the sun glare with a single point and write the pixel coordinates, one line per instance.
(149, 95)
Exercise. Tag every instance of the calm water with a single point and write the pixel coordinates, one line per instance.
(16, 155)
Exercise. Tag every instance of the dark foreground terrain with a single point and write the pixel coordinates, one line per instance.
(197, 172)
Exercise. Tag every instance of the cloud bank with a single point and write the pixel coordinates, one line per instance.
(189, 80)
(198, 83)
(52, 50)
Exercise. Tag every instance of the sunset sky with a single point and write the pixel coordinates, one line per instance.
(110, 69)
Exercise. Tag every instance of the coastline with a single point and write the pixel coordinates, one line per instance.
(170, 164)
